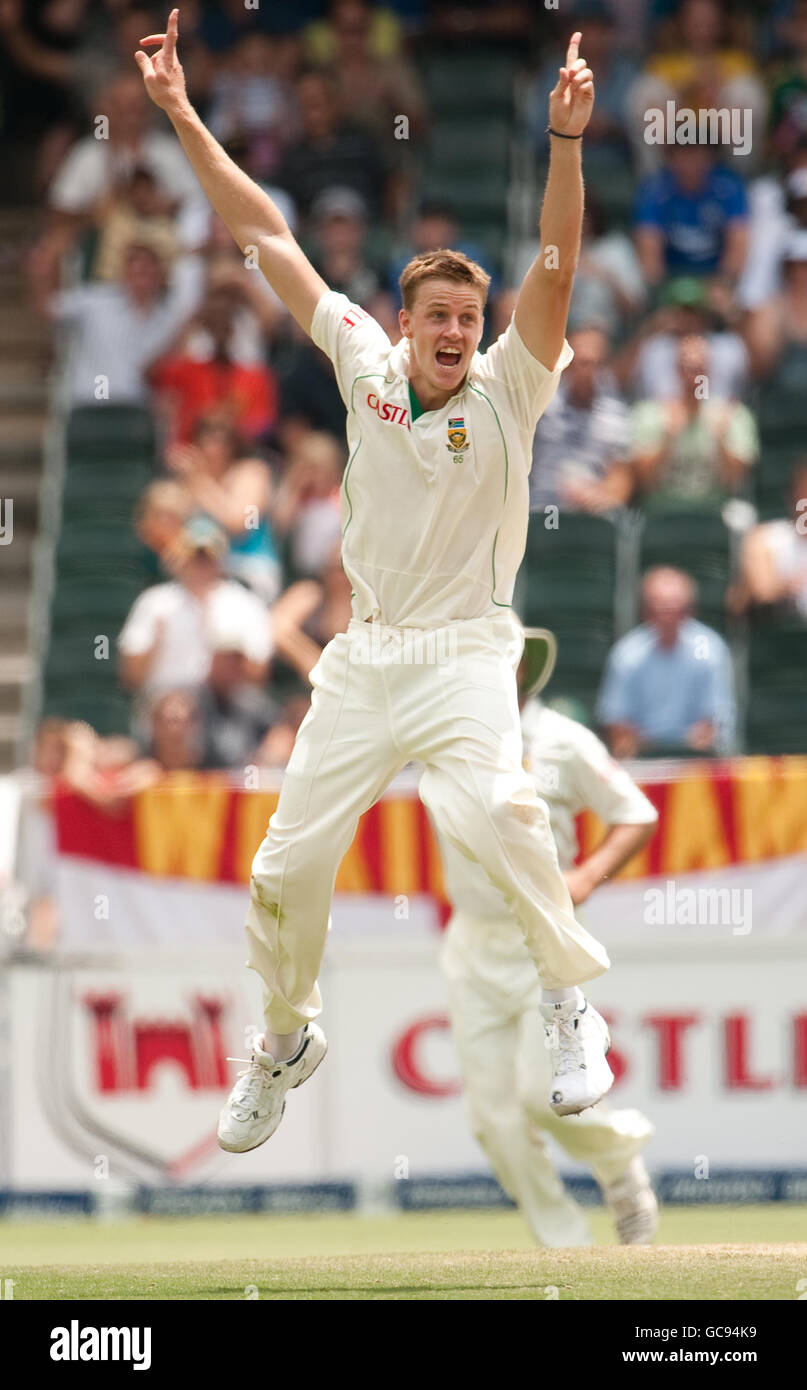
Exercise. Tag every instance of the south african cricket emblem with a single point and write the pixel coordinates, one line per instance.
(458, 440)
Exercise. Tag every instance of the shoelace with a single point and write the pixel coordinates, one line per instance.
(250, 1090)
(570, 1052)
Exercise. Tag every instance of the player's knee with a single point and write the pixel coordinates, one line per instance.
(264, 893)
(521, 808)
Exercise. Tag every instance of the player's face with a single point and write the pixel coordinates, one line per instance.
(444, 329)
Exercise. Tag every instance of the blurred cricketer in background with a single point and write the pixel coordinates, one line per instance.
(494, 997)
(435, 506)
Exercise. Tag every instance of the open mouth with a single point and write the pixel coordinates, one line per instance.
(448, 357)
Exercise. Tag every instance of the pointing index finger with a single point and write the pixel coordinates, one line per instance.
(574, 48)
(172, 31)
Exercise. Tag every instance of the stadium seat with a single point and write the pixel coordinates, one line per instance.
(106, 427)
(482, 197)
(86, 538)
(100, 564)
(699, 542)
(583, 647)
(568, 583)
(469, 84)
(454, 146)
(570, 570)
(76, 654)
(780, 415)
(777, 677)
(772, 474)
(80, 600)
(108, 713)
(89, 480)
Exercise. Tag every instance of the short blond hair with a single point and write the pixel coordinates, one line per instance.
(442, 265)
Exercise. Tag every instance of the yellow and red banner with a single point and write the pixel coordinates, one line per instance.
(200, 826)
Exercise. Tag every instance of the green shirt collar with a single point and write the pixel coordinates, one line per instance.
(415, 408)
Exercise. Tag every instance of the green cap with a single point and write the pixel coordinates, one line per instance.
(685, 291)
(540, 655)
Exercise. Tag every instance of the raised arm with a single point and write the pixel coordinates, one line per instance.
(248, 212)
(543, 302)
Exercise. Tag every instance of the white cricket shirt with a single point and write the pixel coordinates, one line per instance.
(186, 629)
(434, 511)
(572, 771)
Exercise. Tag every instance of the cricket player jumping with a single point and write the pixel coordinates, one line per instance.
(495, 998)
(435, 506)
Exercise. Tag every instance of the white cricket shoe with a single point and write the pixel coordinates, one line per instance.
(577, 1038)
(632, 1203)
(257, 1101)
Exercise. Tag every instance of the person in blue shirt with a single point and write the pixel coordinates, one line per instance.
(691, 218)
(668, 683)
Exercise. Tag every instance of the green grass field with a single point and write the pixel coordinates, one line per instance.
(720, 1253)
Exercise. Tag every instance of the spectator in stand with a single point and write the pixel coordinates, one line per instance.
(136, 212)
(117, 330)
(310, 613)
(787, 122)
(236, 714)
(307, 508)
(339, 218)
(692, 450)
(581, 449)
(275, 750)
(691, 218)
(162, 513)
(61, 54)
(175, 741)
(213, 382)
(777, 210)
(36, 851)
(649, 363)
(251, 99)
(260, 316)
(776, 332)
(105, 771)
(608, 284)
(668, 684)
(332, 152)
(608, 148)
(96, 168)
(702, 69)
(773, 558)
(309, 395)
(609, 289)
(234, 489)
(167, 639)
(385, 36)
(374, 90)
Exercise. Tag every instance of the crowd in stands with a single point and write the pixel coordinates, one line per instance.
(683, 311)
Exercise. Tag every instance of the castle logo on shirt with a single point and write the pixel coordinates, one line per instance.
(458, 440)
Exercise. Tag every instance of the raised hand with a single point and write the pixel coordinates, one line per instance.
(162, 74)
(572, 101)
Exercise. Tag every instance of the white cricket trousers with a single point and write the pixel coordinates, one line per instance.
(499, 1035)
(384, 697)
